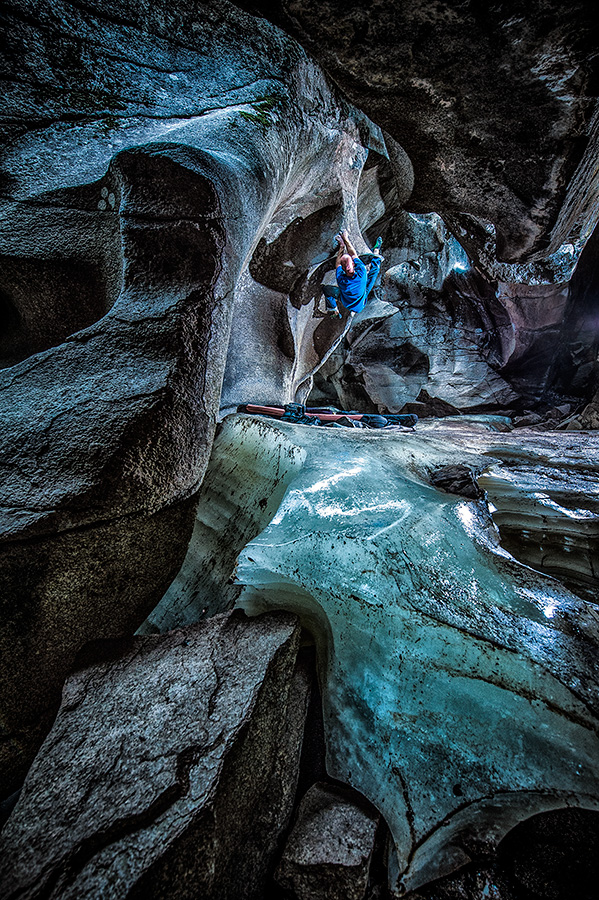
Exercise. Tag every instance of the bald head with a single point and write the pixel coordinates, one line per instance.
(347, 264)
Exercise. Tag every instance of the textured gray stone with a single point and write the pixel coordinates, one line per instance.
(589, 418)
(328, 853)
(527, 420)
(170, 770)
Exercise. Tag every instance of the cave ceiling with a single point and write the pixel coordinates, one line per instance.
(493, 102)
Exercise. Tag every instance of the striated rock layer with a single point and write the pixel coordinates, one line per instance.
(459, 685)
(170, 770)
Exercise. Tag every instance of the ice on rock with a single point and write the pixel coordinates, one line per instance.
(551, 521)
(459, 685)
(233, 508)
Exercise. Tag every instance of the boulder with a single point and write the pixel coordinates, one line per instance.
(589, 417)
(457, 479)
(528, 420)
(170, 770)
(328, 853)
(573, 424)
(427, 407)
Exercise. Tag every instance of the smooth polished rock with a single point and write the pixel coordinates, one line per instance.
(151, 163)
(459, 685)
(170, 770)
(466, 335)
(577, 367)
(328, 853)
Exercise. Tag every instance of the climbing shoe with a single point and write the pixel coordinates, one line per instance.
(378, 243)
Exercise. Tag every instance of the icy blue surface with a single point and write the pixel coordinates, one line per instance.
(459, 686)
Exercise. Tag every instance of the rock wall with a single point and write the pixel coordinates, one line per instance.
(473, 333)
(154, 148)
(170, 770)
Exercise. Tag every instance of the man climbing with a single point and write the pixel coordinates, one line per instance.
(354, 281)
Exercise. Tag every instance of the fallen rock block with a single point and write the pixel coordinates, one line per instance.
(328, 853)
(590, 416)
(528, 420)
(457, 479)
(573, 424)
(170, 770)
(427, 407)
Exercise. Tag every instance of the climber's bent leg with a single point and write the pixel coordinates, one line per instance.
(331, 295)
(375, 268)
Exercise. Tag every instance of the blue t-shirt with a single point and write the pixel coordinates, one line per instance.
(353, 290)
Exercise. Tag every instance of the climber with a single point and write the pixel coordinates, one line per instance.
(354, 281)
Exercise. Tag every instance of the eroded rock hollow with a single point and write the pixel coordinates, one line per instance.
(173, 176)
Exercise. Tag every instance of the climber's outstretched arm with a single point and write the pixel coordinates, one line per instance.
(349, 247)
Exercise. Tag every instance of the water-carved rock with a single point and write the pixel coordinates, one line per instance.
(495, 106)
(145, 171)
(469, 333)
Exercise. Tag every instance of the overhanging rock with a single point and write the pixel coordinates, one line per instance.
(495, 106)
(145, 164)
